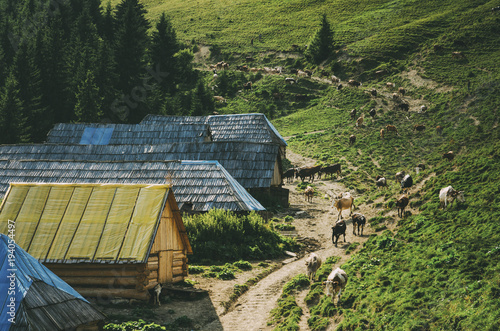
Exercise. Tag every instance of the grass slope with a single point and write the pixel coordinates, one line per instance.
(440, 269)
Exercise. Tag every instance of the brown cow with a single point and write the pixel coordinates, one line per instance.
(382, 133)
(344, 203)
(390, 85)
(359, 121)
(439, 129)
(354, 83)
(401, 204)
(401, 91)
(352, 139)
(449, 156)
(389, 128)
(332, 169)
(313, 262)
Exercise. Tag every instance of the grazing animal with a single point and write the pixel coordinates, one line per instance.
(423, 109)
(381, 181)
(418, 127)
(407, 182)
(359, 220)
(404, 106)
(354, 83)
(344, 203)
(439, 129)
(494, 9)
(399, 176)
(339, 87)
(359, 121)
(225, 65)
(335, 79)
(380, 72)
(421, 166)
(313, 262)
(352, 139)
(457, 55)
(290, 80)
(390, 85)
(335, 283)
(372, 112)
(309, 193)
(450, 194)
(220, 99)
(247, 86)
(382, 133)
(401, 91)
(289, 174)
(449, 156)
(401, 204)
(338, 229)
(308, 172)
(332, 169)
(301, 73)
(373, 92)
(157, 291)
(353, 113)
(389, 128)
(395, 96)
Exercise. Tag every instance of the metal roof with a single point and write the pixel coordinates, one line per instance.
(237, 127)
(128, 134)
(41, 300)
(104, 223)
(251, 164)
(205, 184)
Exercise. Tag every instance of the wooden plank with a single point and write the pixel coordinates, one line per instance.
(104, 281)
(113, 293)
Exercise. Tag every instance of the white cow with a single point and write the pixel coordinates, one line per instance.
(335, 283)
(449, 194)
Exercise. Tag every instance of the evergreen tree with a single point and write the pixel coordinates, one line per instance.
(163, 47)
(321, 45)
(108, 22)
(202, 101)
(88, 106)
(131, 36)
(12, 124)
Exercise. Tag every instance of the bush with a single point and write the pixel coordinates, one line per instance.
(223, 236)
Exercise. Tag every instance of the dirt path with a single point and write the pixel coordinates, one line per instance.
(251, 311)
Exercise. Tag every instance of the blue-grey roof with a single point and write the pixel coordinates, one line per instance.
(127, 134)
(236, 127)
(205, 184)
(37, 298)
(251, 164)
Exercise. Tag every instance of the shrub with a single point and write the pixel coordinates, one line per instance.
(223, 236)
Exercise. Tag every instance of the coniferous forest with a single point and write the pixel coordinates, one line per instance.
(78, 61)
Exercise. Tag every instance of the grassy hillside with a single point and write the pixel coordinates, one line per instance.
(440, 269)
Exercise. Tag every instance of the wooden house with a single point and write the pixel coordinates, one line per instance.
(197, 185)
(36, 299)
(105, 240)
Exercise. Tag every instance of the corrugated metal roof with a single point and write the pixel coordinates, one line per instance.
(205, 184)
(237, 127)
(127, 134)
(251, 164)
(84, 222)
(41, 300)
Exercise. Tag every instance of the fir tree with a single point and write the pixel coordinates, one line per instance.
(88, 106)
(163, 47)
(321, 45)
(12, 124)
(203, 102)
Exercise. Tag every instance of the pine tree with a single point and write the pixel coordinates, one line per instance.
(88, 106)
(131, 36)
(12, 126)
(163, 47)
(108, 23)
(321, 45)
(202, 101)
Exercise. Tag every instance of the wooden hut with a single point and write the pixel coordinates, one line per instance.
(35, 298)
(202, 185)
(105, 240)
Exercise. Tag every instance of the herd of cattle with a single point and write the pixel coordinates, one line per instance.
(337, 279)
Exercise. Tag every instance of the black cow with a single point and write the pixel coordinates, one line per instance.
(308, 172)
(360, 220)
(332, 169)
(289, 175)
(338, 229)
